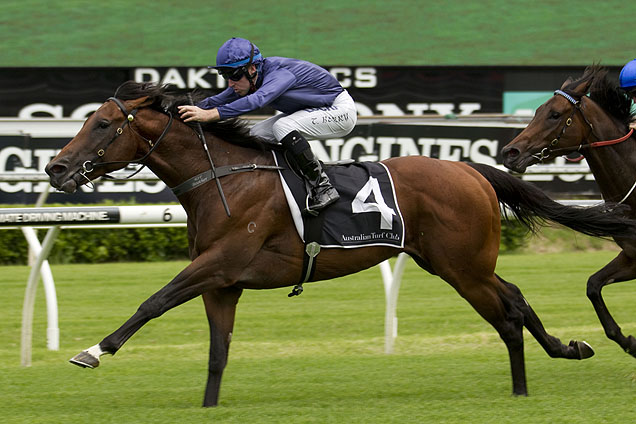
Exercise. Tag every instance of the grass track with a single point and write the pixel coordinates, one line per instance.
(318, 358)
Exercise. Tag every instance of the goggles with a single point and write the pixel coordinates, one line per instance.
(233, 74)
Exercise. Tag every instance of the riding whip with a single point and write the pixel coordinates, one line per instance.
(213, 168)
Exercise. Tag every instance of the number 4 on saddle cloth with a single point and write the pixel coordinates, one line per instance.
(367, 213)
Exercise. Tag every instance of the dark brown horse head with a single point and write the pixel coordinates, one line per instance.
(106, 138)
(130, 126)
(563, 123)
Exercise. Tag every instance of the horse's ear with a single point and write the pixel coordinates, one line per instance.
(567, 81)
(584, 86)
(141, 102)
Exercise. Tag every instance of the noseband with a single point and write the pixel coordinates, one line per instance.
(89, 166)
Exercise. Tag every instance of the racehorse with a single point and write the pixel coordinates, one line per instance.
(598, 128)
(451, 213)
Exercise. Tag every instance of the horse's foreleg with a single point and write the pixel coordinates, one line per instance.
(190, 283)
(153, 307)
(622, 268)
(552, 345)
(220, 307)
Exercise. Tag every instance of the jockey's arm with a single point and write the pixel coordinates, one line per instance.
(195, 113)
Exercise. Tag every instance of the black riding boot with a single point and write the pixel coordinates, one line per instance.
(321, 193)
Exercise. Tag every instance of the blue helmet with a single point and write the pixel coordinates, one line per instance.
(628, 75)
(237, 52)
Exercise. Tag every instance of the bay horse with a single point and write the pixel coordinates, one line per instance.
(598, 128)
(451, 213)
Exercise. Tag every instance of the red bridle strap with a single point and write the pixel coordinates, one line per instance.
(603, 143)
(610, 142)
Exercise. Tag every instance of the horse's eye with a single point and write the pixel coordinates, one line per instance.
(103, 124)
(555, 115)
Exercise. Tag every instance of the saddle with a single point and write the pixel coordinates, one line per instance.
(367, 213)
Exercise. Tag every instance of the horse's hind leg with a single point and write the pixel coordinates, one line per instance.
(220, 307)
(505, 317)
(552, 345)
(622, 268)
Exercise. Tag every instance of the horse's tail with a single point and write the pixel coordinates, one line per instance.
(532, 208)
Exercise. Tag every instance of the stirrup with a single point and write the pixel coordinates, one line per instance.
(308, 209)
(296, 291)
(313, 210)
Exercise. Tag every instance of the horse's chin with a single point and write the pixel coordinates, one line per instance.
(70, 186)
(517, 169)
(519, 164)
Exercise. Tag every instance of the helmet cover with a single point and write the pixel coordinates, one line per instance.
(237, 52)
(628, 75)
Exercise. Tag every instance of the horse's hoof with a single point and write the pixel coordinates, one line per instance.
(85, 360)
(583, 349)
(631, 349)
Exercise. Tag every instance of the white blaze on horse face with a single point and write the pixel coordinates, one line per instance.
(360, 205)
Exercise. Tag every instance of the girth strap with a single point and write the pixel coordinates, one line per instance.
(313, 228)
(221, 171)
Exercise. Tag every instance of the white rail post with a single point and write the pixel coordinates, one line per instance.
(53, 332)
(392, 281)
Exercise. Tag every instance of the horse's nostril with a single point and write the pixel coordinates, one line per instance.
(510, 152)
(55, 169)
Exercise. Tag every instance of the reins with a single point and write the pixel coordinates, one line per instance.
(201, 136)
(88, 166)
(191, 183)
(549, 151)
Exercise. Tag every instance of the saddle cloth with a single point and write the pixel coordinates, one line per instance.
(367, 213)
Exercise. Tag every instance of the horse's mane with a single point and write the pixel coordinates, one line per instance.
(166, 98)
(605, 92)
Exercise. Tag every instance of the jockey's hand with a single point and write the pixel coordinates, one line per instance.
(195, 113)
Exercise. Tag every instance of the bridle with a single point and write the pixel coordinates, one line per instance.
(189, 184)
(550, 150)
(89, 166)
(546, 152)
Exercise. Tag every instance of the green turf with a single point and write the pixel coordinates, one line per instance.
(317, 358)
(330, 32)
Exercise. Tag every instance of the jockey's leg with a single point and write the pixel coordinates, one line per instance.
(264, 129)
(321, 193)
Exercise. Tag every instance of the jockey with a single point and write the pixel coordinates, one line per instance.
(313, 104)
(628, 78)
(627, 81)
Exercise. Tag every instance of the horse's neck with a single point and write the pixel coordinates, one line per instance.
(182, 156)
(177, 157)
(613, 166)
